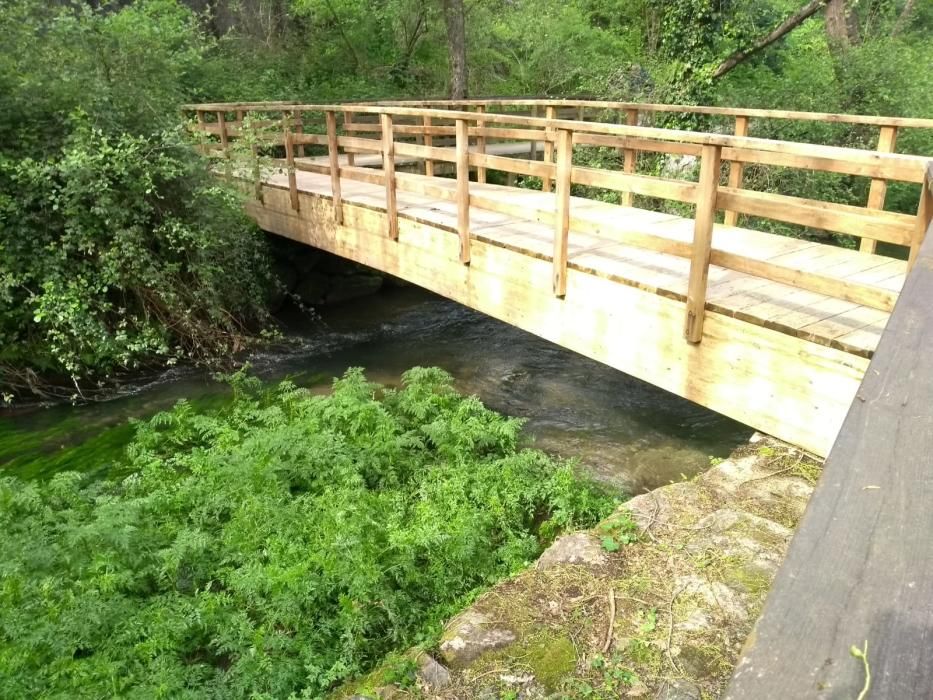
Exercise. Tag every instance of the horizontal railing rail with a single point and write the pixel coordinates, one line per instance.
(393, 132)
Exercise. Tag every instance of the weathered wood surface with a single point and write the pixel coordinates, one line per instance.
(860, 567)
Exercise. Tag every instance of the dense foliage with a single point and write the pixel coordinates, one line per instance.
(117, 248)
(272, 548)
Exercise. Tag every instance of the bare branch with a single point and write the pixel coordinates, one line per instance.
(788, 25)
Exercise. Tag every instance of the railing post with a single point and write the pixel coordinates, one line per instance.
(347, 123)
(887, 138)
(533, 155)
(333, 154)
(581, 113)
(702, 242)
(628, 155)
(388, 169)
(480, 144)
(290, 164)
(924, 217)
(562, 215)
(736, 170)
(429, 142)
(550, 112)
(202, 128)
(298, 125)
(222, 129)
(463, 189)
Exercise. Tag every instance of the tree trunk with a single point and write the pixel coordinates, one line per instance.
(841, 25)
(456, 48)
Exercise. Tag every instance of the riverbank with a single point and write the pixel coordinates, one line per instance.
(654, 602)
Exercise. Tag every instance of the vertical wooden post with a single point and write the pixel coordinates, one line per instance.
(702, 242)
(202, 128)
(924, 217)
(347, 122)
(290, 165)
(299, 127)
(463, 189)
(388, 169)
(551, 113)
(222, 130)
(533, 155)
(333, 153)
(428, 141)
(562, 216)
(581, 113)
(628, 165)
(480, 144)
(887, 139)
(736, 170)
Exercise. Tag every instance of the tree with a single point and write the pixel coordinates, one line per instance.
(841, 24)
(454, 18)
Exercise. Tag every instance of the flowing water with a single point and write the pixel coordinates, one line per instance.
(622, 430)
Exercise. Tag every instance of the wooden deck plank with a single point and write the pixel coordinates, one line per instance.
(625, 327)
(599, 248)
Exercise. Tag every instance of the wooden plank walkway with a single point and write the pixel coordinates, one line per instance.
(374, 160)
(773, 331)
(860, 567)
(597, 246)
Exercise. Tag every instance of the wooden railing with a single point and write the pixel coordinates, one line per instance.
(858, 572)
(409, 132)
(631, 112)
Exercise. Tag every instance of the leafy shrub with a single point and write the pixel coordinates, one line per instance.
(117, 249)
(120, 250)
(275, 547)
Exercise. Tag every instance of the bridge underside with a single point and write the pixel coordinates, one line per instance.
(783, 360)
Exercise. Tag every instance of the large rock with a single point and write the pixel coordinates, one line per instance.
(747, 479)
(470, 635)
(432, 674)
(576, 548)
(679, 690)
(757, 542)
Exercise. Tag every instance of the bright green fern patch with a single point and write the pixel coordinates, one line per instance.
(275, 547)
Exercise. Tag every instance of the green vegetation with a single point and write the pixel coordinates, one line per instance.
(118, 251)
(117, 248)
(274, 547)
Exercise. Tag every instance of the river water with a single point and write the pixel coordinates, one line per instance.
(623, 431)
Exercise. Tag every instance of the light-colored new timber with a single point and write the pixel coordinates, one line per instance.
(778, 383)
(771, 330)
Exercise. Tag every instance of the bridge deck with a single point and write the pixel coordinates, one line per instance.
(818, 318)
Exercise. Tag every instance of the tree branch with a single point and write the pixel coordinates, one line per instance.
(789, 24)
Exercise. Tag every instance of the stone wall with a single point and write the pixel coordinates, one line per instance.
(655, 602)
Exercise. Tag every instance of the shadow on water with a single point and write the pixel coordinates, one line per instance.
(623, 431)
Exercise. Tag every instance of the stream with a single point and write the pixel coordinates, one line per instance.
(623, 431)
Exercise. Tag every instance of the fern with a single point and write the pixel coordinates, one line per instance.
(275, 547)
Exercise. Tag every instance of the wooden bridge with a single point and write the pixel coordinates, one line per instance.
(549, 224)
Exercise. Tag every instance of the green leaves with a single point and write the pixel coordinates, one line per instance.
(275, 547)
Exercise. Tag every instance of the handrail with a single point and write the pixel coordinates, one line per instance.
(858, 572)
(559, 137)
(747, 112)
